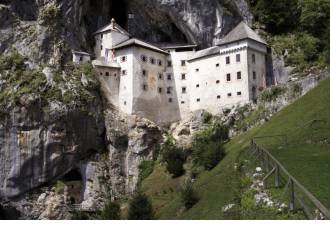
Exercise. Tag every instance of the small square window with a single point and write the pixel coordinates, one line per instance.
(144, 73)
(197, 85)
(183, 63)
(152, 61)
(184, 90)
(101, 73)
(81, 58)
(183, 76)
(218, 81)
(238, 58)
(107, 74)
(228, 77)
(254, 75)
(217, 65)
(170, 100)
(169, 76)
(160, 76)
(160, 63)
(197, 70)
(198, 100)
(160, 90)
(227, 60)
(182, 102)
(125, 103)
(124, 72)
(239, 93)
(101, 47)
(145, 87)
(239, 75)
(229, 94)
(169, 90)
(101, 36)
(123, 59)
(219, 97)
(253, 58)
(144, 58)
(169, 63)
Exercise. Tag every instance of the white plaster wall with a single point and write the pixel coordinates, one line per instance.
(110, 84)
(176, 71)
(76, 58)
(109, 40)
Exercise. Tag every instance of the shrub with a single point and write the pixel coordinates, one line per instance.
(247, 201)
(49, 14)
(146, 167)
(140, 208)
(174, 157)
(188, 195)
(207, 146)
(15, 61)
(59, 187)
(111, 211)
(80, 215)
(272, 94)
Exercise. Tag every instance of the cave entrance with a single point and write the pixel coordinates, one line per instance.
(119, 11)
(74, 187)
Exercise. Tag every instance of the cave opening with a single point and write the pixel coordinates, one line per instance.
(119, 11)
(74, 186)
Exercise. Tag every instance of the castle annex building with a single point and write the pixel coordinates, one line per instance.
(165, 84)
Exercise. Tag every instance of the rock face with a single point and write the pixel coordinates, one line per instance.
(47, 30)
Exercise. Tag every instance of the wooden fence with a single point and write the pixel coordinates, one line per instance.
(298, 194)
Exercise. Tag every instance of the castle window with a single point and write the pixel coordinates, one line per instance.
(238, 58)
(101, 73)
(81, 58)
(144, 58)
(101, 47)
(197, 70)
(254, 75)
(101, 36)
(152, 61)
(169, 90)
(182, 102)
(145, 87)
(183, 63)
(160, 76)
(239, 93)
(198, 100)
(169, 63)
(160, 63)
(184, 90)
(107, 74)
(170, 100)
(123, 59)
(218, 97)
(217, 65)
(253, 58)
(183, 76)
(239, 75)
(115, 75)
(218, 81)
(125, 103)
(228, 77)
(197, 85)
(229, 94)
(144, 73)
(169, 76)
(124, 72)
(227, 60)
(160, 90)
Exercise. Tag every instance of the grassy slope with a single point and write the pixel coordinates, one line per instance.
(219, 186)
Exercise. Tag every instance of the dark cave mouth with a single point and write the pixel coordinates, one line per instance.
(119, 12)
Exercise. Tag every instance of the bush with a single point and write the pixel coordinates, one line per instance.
(59, 187)
(188, 195)
(174, 157)
(80, 215)
(272, 94)
(207, 146)
(146, 167)
(140, 208)
(49, 15)
(111, 211)
(15, 61)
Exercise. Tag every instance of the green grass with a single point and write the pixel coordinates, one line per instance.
(221, 186)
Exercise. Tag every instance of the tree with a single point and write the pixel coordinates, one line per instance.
(188, 195)
(111, 211)
(140, 208)
(174, 157)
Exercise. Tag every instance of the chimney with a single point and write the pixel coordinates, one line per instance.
(113, 22)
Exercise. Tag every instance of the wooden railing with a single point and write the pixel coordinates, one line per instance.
(298, 194)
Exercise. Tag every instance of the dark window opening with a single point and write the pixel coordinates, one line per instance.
(253, 58)
(238, 58)
(160, 63)
(198, 100)
(239, 75)
(169, 63)
(169, 77)
(218, 81)
(228, 77)
(182, 102)
(160, 76)
(183, 63)
(170, 100)
(197, 85)
(218, 97)
(228, 60)
(152, 61)
(144, 58)
(229, 95)
(145, 87)
(184, 90)
(239, 93)
(254, 75)
(217, 65)
(197, 70)
(169, 90)
(144, 73)
(183, 76)
(160, 90)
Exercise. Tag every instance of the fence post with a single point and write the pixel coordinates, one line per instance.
(277, 176)
(291, 192)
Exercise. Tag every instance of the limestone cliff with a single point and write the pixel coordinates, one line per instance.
(46, 30)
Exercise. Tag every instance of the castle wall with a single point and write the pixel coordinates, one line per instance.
(176, 70)
(109, 40)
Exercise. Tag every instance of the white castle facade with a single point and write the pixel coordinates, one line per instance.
(166, 84)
